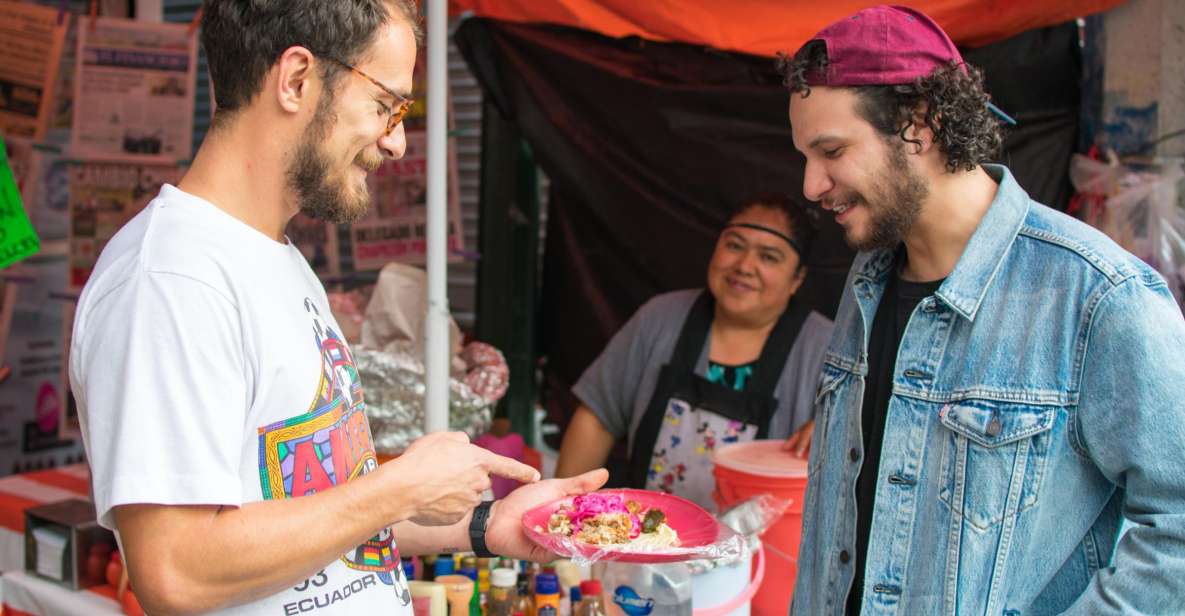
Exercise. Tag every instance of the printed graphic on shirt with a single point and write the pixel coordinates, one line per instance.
(329, 445)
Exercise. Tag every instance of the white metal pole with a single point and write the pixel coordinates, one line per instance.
(436, 360)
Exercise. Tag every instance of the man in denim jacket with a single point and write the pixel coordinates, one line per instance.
(1005, 385)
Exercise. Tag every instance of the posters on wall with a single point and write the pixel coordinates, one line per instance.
(7, 297)
(137, 79)
(31, 398)
(40, 173)
(31, 39)
(317, 241)
(63, 105)
(103, 196)
(395, 227)
(46, 193)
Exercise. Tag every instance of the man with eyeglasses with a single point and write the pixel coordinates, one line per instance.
(221, 409)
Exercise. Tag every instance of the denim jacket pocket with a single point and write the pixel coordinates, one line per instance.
(993, 458)
(825, 401)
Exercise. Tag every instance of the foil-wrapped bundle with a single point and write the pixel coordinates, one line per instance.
(393, 383)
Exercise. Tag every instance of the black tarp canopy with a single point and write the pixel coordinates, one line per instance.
(648, 146)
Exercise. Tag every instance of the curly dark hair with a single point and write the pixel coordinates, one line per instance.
(243, 39)
(954, 100)
(803, 222)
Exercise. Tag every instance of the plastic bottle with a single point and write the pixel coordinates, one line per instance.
(547, 595)
(428, 567)
(460, 592)
(502, 593)
(569, 573)
(533, 569)
(523, 603)
(592, 599)
(428, 598)
(475, 600)
(570, 605)
(656, 590)
(444, 566)
(483, 583)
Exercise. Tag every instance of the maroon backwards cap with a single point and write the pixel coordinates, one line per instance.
(883, 45)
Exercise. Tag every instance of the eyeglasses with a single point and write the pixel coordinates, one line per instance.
(402, 103)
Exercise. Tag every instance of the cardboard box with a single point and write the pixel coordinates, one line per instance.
(64, 538)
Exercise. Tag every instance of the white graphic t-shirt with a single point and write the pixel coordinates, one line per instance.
(208, 370)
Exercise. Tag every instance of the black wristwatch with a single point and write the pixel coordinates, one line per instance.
(477, 530)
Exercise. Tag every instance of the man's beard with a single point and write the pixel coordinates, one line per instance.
(308, 175)
(896, 204)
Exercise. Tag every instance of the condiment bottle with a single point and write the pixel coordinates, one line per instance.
(523, 603)
(502, 593)
(547, 595)
(592, 601)
(460, 592)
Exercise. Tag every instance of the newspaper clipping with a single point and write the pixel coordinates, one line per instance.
(31, 397)
(137, 79)
(103, 197)
(31, 40)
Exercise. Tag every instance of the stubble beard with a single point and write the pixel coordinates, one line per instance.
(308, 176)
(896, 205)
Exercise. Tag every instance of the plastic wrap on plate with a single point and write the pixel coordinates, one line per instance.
(749, 519)
(394, 386)
(617, 520)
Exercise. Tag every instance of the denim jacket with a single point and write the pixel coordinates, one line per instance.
(1038, 400)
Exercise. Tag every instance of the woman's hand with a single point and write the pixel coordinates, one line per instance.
(799, 443)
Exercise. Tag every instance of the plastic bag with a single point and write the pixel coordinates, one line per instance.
(486, 371)
(397, 314)
(750, 519)
(1139, 208)
(700, 536)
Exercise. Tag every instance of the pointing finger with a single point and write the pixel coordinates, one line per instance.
(509, 468)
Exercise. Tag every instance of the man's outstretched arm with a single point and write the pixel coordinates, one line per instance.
(504, 530)
(192, 559)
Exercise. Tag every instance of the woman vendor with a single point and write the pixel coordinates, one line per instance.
(699, 368)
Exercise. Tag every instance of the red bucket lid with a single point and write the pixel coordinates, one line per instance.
(764, 458)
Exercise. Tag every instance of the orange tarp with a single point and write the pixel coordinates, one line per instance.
(765, 27)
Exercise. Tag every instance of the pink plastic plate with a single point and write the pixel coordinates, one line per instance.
(700, 535)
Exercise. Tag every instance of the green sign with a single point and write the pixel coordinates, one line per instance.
(17, 238)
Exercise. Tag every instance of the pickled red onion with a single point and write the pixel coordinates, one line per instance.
(591, 505)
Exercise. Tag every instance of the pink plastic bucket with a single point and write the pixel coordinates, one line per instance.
(745, 470)
(739, 603)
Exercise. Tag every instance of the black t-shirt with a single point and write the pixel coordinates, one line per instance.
(892, 315)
